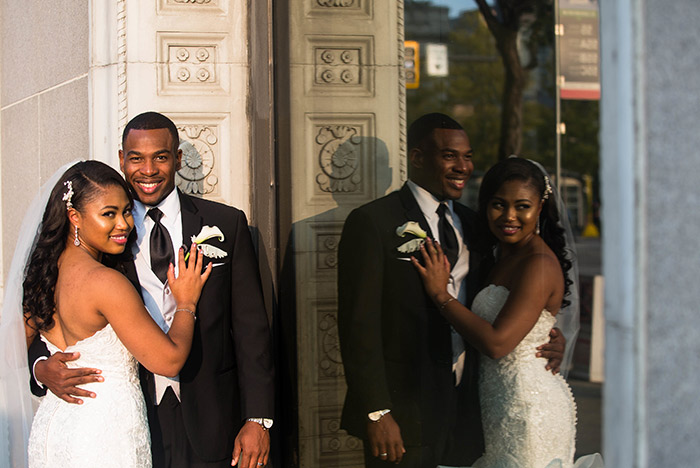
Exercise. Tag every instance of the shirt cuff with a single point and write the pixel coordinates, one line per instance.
(40, 358)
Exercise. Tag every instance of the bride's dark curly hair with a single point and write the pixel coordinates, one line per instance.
(88, 179)
(551, 231)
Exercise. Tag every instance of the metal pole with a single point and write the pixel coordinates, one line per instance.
(558, 32)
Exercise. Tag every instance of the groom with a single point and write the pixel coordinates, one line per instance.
(218, 410)
(411, 379)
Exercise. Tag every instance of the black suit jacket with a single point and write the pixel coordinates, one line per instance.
(396, 347)
(228, 376)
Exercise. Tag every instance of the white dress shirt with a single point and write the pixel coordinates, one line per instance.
(456, 288)
(156, 295)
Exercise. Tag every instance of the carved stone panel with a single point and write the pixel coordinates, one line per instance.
(340, 7)
(202, 145)
(342, 66)
(335, 446)
(343, 149)
(190, 63)
(192, 6)
(330, 365)
(327, 251)
(319, 237)
(339, 157)
(337, 66)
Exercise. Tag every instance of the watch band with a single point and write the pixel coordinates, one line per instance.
(265, 423)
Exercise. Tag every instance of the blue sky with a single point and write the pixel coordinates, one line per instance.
(456, 6)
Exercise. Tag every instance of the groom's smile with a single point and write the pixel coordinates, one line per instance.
(149, 160)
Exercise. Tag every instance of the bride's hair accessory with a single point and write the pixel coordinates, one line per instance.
(68, 196)
(547, 188)
(76, 241)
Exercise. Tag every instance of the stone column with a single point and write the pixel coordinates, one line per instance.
(650, 140)
(342, 146)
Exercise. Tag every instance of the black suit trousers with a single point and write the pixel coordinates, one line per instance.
(171, 447)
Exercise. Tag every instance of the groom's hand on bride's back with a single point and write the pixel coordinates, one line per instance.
(553, 350)
(63, 381)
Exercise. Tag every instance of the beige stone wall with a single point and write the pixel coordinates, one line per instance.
(75, 71)
(44, 99)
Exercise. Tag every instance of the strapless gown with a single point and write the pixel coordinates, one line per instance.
(110, 430)
(528, 413)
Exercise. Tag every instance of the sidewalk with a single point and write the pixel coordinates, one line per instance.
(588, 397)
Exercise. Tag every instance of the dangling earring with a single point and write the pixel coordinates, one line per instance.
(537, 229)
(76, 241)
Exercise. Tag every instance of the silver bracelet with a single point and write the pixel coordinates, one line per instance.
(444, 304)
(194, 316)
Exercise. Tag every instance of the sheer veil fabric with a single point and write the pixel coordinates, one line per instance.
(17, 404)
(568, 317)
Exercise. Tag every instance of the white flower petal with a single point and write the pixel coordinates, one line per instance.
(411, 246)
(411, 227)
(212, 252)
(207, 233)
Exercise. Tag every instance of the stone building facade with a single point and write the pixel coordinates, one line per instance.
(294, 111)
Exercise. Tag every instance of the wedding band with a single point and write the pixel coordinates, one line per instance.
(383, 454)
(260, 464)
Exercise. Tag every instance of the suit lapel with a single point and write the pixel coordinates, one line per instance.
(412, 210)
(191, 220)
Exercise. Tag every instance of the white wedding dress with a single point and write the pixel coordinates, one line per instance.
(528, 413)
(110, 430)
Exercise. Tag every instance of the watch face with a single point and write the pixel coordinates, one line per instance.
(267, 423)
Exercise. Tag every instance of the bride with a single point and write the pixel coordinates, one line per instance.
(78, 303)
(528, 413)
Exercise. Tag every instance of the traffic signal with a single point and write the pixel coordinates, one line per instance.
(411, 64)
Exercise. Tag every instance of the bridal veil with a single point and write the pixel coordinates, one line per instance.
(17, 404)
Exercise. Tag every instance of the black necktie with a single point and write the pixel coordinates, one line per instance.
(448, 238)
(161, 246)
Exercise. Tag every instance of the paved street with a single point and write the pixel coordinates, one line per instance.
(588, 395)
(589, 424)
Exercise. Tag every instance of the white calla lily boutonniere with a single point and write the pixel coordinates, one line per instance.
(209, 232)
(411, 227)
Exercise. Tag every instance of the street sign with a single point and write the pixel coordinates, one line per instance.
(579, 51)
(437, 60)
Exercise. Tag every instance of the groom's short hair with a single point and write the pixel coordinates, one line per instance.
(423, 127)
(152, 121)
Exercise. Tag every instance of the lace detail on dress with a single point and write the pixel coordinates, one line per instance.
(529, 414)
(108, 431)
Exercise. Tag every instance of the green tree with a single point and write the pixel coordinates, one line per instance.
(513, 23)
